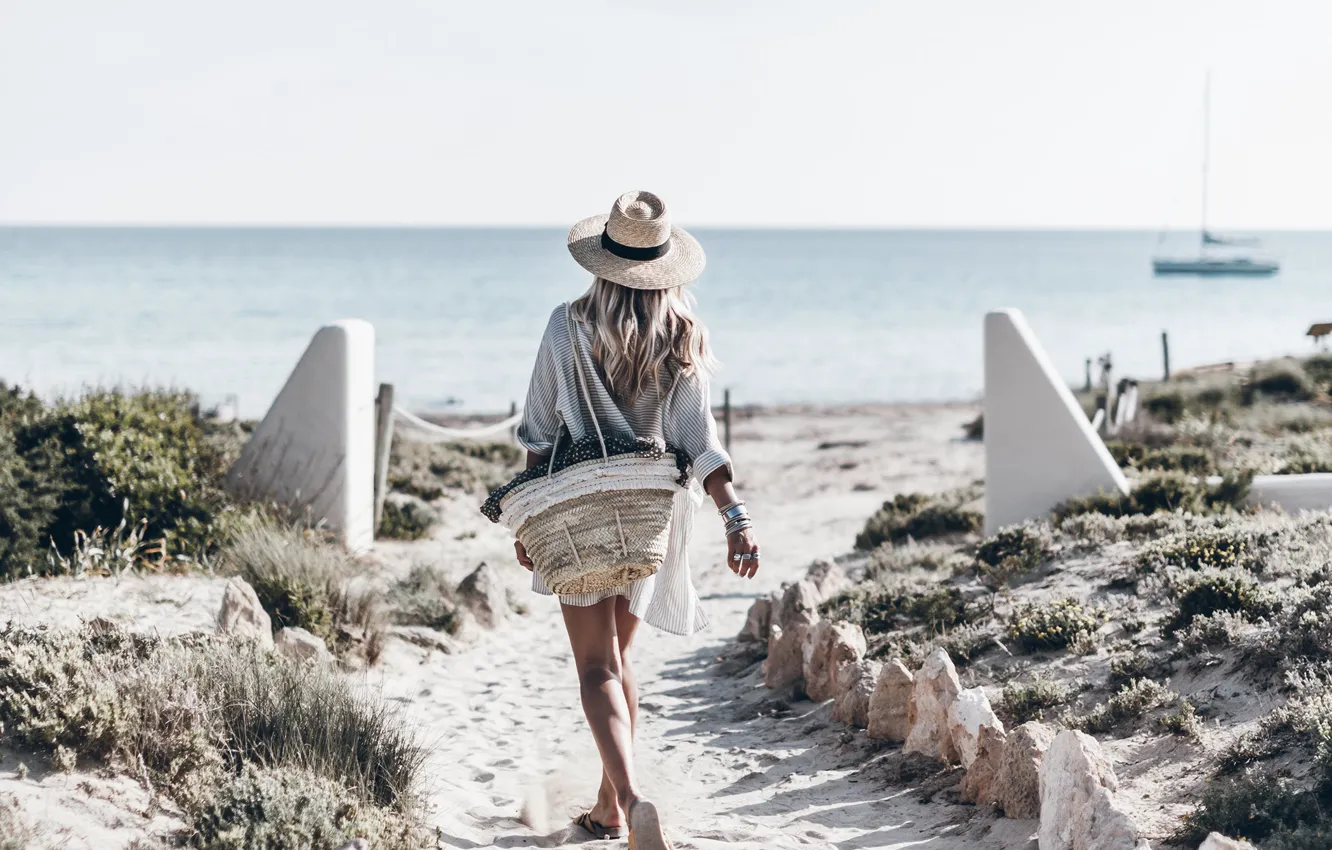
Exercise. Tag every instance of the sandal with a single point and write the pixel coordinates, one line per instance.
(598, 830)
(645, 828)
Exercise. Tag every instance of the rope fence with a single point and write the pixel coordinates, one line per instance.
(430, 432)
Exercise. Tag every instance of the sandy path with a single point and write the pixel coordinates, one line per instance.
(511, 759)
(505, 723)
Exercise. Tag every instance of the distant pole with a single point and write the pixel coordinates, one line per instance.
(1087, 388)
(383, 446)
(1165, 354)
(513, 408)
(513, 432)
(726, 419)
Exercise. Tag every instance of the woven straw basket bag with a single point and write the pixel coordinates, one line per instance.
(598, 524)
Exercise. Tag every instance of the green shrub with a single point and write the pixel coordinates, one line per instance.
(1221, 548)
(1012, 552)
(1054, 625)
(1260, 806)
(190, 710)
(1167, 407)
(1126, 453)
(426, 598)
(1280, 380)
(1134, 665)
(1030, 701)
(292, 809)
(879, 610)
(1213, 591)
(141, 457)
(1187, 459)
(1131, 702)
(406, 521)
(917, 516)
(1319, 370)
(426, 470)
(1308, 458)
(303, 581)
(1212, 631)
(1167, 491)
(1303, 625)
(888, 560)
(1183, 721)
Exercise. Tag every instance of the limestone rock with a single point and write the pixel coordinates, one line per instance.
(799, 604)
(834, 645)
(855, 688)
(789, 636)
(758, 622)
(1217, 841)
(828, 578)
(1078, 807)
(1019, 770)
(295, 642)
(483, 593)
(241, 614)
(980, 785)
(935, 688)
(968, 714)
(890, 707)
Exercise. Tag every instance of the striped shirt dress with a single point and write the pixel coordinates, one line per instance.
(682, 417)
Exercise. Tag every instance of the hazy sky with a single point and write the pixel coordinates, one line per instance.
(938, 113)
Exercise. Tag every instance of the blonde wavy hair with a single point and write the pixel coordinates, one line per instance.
(643, 337)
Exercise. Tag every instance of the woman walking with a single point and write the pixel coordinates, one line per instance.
(622, 372)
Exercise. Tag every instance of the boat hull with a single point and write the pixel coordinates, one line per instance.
(1216, 268)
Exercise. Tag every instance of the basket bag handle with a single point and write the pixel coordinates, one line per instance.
(587, 396)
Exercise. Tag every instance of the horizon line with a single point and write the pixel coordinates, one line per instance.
(996, 228)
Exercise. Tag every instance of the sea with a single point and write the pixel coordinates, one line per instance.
(796, 316)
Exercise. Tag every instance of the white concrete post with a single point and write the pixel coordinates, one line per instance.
(1040, 449)
(315, 447)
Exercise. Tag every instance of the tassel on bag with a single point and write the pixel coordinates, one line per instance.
(598, 524)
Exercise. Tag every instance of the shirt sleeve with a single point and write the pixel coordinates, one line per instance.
(541, 420)
(690, 426)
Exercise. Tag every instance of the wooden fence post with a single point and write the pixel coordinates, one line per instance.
(383, 446)
(1165, 354)
(726, 419)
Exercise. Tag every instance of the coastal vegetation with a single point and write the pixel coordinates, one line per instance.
(254, 747)
(1176, 612)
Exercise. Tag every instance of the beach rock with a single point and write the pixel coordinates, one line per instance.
(295, 642)
(890, 707)
(828, 578)
(789, 636)
(241, 615)
(935, 688)
(855, 687)
(758, 622)
(799, 604)
(1217, 841)
(834, 645)
(968, 714)
(981, 784)
(1020, 770)
(1078, 807)
(483, 594)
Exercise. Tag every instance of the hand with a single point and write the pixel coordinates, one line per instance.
(522, 555)
(742, 542)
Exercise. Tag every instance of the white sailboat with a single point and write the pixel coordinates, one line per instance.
(1208, 260)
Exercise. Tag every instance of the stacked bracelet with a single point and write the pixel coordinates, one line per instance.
(736, 517)
(724, 509)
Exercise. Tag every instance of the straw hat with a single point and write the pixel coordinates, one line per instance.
(636, 246)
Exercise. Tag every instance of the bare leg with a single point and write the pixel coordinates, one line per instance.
(607, 811)
(596, 649)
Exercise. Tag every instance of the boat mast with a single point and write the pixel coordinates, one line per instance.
(1207, 147)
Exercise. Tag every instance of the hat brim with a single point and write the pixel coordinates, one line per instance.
(682, 264)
